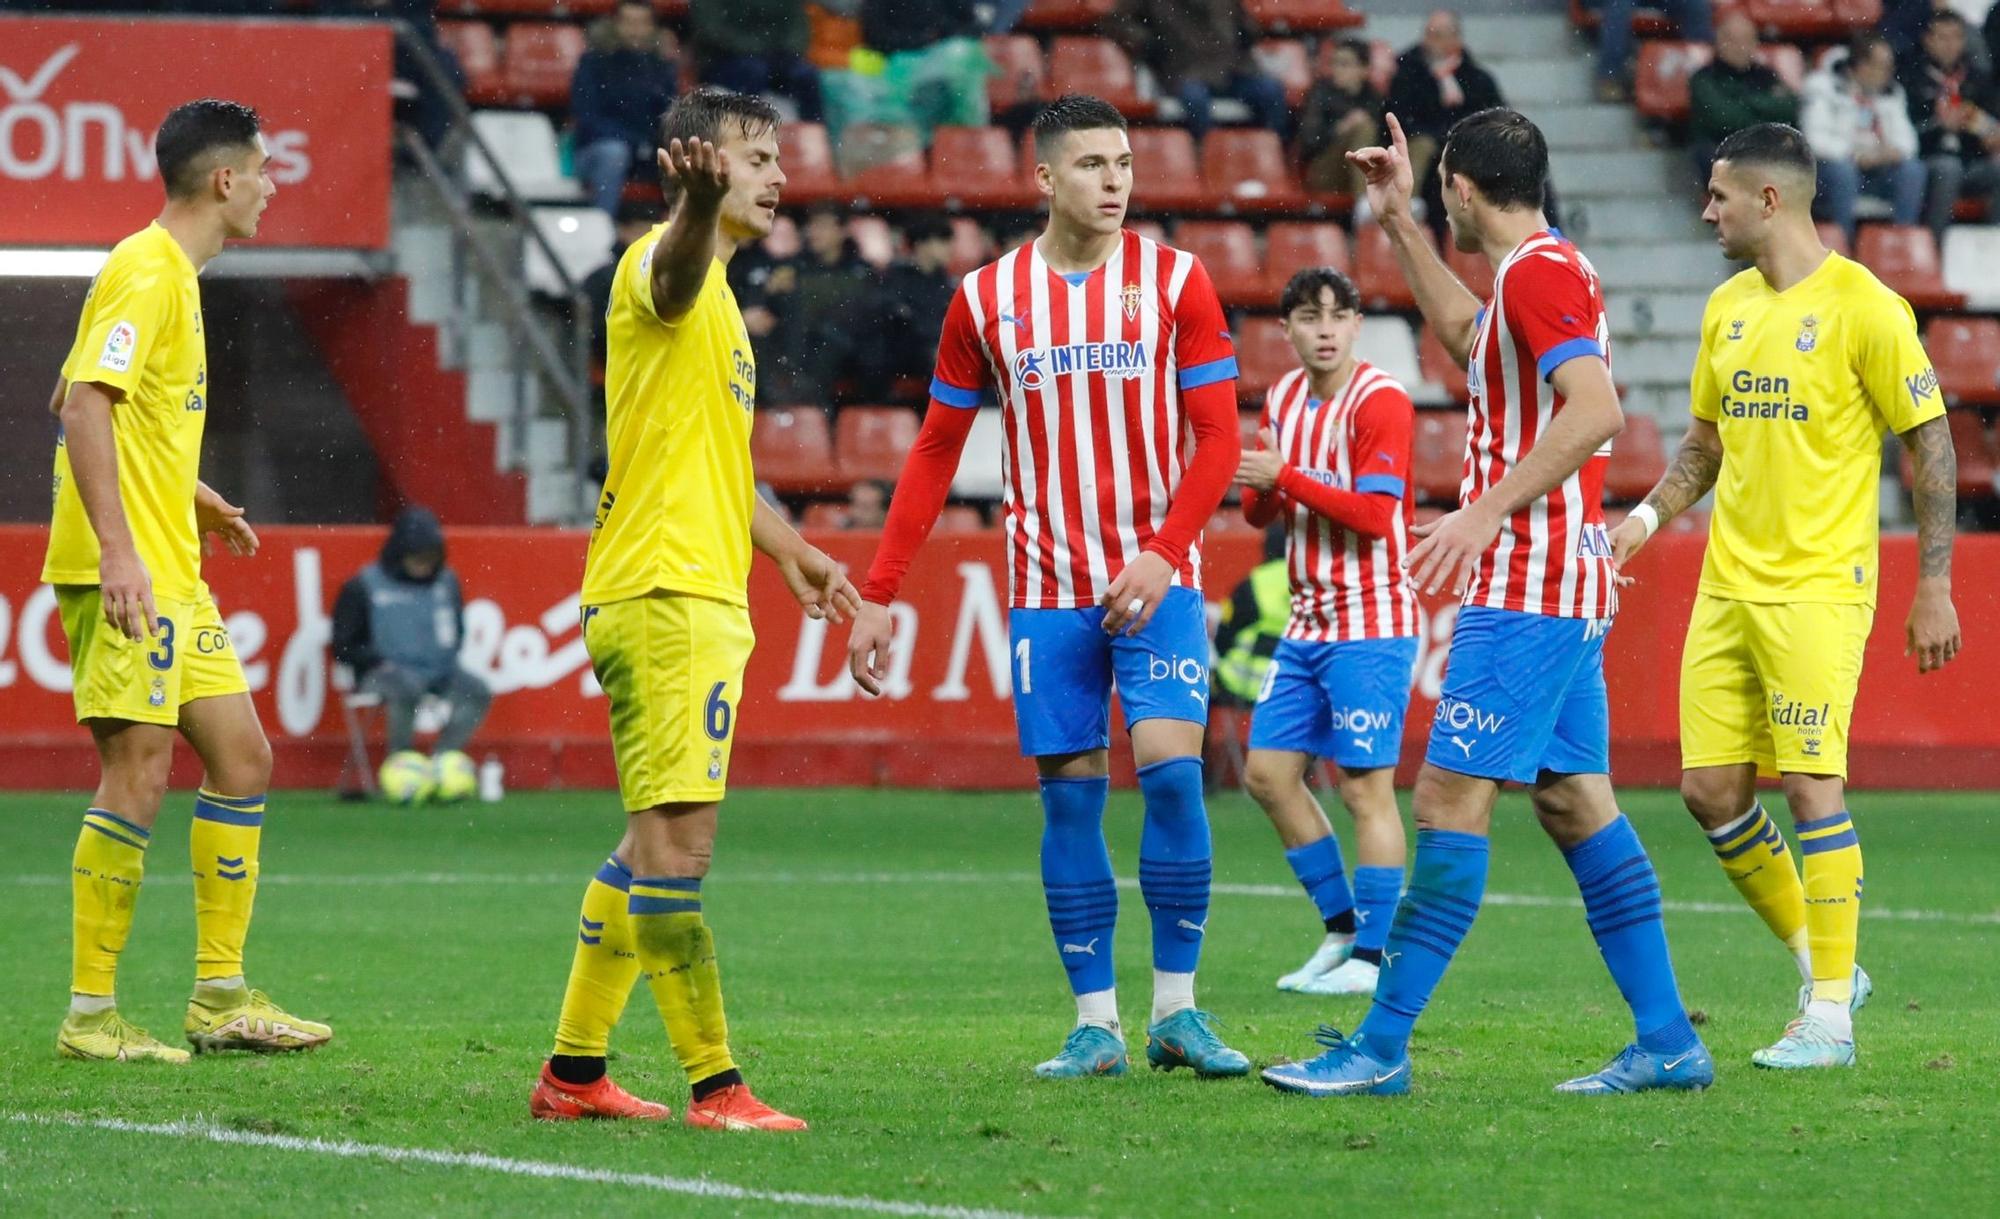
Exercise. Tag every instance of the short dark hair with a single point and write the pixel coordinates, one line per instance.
(1072, 112)
(1502, 153)
(192, 131)
(1772, 145)
(699, 115)
(1944, 16)
(1307, 283)
(1357, 45)
(1863, 44)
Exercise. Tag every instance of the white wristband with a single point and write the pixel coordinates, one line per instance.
(1645, 515)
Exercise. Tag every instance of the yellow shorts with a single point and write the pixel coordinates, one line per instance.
(1771, 684)
(672, 668)
(148, 682)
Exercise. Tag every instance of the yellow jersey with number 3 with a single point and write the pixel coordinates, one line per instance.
(1802, 384)
(675, 512)
(140, 335)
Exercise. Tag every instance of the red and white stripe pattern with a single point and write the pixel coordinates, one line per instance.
(1553, 556)
(1344, 586)
(1089, 380)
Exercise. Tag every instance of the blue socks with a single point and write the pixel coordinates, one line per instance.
(1621, 898)
(1077, 880)
(1445, 890)
(1174, 864)
(1375, 892)
(1324, 877)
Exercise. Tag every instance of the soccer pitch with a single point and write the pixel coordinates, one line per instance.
(890, 977)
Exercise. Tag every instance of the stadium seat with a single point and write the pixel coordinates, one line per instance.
(1300, 16)
(1966, 353)
(976, 168)
(478, 51)
(824, 515)
(539, 60)
(1833, 237)
(792, 450)
(1291, 245)
(971, 247)
(1660, 84)
(1263, 354)
(872, 441)
(891, 172)
(1638, 458)
(1472, 270)
(1286, 60)
(874, 238)
(1229, 250)
(1439, 368)
(1376, 273)
(1099, 66)
(807, 159)
(582, 238)
(1018, 72)
(1245, 169)
(1906, 258)
(1167, 174)
(1152, 230)
(1388, 344)
(1971, 252)
(1817, 19)
(1067, 14)
(960, 518)
(1437, 456)
(525, 143)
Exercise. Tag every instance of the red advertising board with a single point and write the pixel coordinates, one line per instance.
(84, 96)
(947, 721)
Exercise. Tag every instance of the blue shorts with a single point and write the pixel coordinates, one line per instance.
(1523, 694)
(1064, 666)
(1343, 700)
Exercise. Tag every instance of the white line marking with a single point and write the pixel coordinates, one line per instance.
(1526, 900)
(696, 1186)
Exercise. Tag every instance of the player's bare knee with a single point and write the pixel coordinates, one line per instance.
(1443, 800)
(1270, 779)
(1811, 797)
(134, 782)
(1369, 795)
(1713, 800)
(1090, 764)
(246, 771)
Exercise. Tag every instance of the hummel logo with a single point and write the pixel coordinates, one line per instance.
(1465, 745)
(1678, 1061)
(1090, 948)
(1198, 928)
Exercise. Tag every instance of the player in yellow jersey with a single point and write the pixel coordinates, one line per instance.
(666, 616)
(1806, 359)
(149, 654)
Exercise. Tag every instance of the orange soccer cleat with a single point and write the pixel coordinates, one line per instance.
(555, 1101)
(734, 1108)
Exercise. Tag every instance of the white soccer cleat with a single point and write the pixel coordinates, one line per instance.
(1350, 977)
(1333, 950)
(1863, 987)
(1813, 1041)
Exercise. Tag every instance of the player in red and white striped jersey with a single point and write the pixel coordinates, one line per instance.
(1116, 377)
(1334, 465)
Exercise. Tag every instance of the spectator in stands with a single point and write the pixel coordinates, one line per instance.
(916, 291)
(867, 504)
(1903, 23)
(911, 25)
(1342, 112)
(757, 46)
(1857, 120)
(419, 100)
(1200, 50)
(398, 625)
(1691, 18)
(616, 99)
(822, 301)
(1734, 91)
(1953, 106)
(1012, 235)
(1435, 85)
(633, 220)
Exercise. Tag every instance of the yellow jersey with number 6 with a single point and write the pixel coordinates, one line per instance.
(1802, 384)
(675, 512)
(140, 335)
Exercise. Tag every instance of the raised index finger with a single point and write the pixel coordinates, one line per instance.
(1396, 139)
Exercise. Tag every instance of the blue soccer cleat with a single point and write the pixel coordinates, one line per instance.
(1342, 1069)
(1088, 1050)
(1864, 986)
(1187, 1039)
(1637, 1070)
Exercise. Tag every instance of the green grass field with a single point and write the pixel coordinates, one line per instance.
(890, 977)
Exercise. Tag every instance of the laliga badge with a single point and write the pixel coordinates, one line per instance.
(1808, 333)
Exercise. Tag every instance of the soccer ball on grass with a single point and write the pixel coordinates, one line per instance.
(408, 778)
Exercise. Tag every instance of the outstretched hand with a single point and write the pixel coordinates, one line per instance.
(1386, 171)
(699, 168)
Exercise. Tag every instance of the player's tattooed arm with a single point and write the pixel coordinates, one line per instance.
(1692, 473)
(1935, 493)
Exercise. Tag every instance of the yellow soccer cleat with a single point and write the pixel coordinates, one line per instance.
(248, 1020)
(107, 1036)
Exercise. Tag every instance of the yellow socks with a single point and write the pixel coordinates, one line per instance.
(1758, 862)
(1833, 903)
(223, 845)
(605, 966)
(677, 954)
(104, 879)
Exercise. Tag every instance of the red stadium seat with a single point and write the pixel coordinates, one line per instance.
(807, 159)
(1099, 66)
(895, 174)
(791, 449)
(872, 441)
(1291, 246)
(1437, 456)
(1833, 237)
(478, 51)
(1638, 458)
(1018, 72)
(1245, 169)
(1906, 258)
(1287, 61)
(976, 167)
(539, 61)
(1439, 368)
(1263, 354)
(1300, 16)
(874, 238)
(1229, 250)
(960, 518)
(1813, 18)
(1966, 353)
(1376, 273)
(1472, 270)
(971, 246)
(1660, 86)
(1152, 230)
(1166, 173)
(1067, 14)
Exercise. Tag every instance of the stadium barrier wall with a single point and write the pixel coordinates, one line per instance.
(947, 721)
(76, 132)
